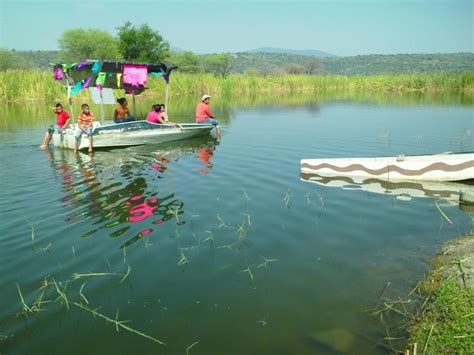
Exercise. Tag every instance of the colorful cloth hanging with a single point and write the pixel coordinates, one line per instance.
(86, 83)
(96, 67)
(82, 65)
(135, 75)
(58, 74)
(77, 88)
(100, 81)
(68, 66)
(119, 80)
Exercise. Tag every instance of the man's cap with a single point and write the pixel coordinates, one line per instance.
(205, 97)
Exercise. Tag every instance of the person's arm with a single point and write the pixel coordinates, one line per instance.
(68, 119)
(161, 120)
(79, 123)
(209, 112)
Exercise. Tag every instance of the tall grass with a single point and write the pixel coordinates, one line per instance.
(18, 85)
(25, 85)
(186, 84)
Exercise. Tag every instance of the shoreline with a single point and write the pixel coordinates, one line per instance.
(445, 320)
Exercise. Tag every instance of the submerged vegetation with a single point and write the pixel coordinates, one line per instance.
(19, 85)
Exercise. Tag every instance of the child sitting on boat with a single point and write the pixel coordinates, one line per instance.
(62, 120)
(121, 113)
(163, 113)
(84, 124)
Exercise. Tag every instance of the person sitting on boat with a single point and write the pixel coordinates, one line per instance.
(84, 124)
(121, 113)
(204, 115)
(62, 120)
(163, 113)
(155, 117)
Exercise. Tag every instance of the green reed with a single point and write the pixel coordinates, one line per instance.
(24, 86)
(191, 346)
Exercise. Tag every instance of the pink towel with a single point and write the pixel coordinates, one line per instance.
(135, 75)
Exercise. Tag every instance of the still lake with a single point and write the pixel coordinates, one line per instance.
(219, 248)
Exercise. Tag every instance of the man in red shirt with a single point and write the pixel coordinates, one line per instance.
(62, 120)
(204, 115)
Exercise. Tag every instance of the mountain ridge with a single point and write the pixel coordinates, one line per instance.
(305, 52)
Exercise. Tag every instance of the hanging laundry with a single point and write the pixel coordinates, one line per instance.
(68, 66)
(58, 74)
(119, 80)
(135, 75)
(96, 67)
(86, 83)
(82, 65)
(77, 88)
(100, 79)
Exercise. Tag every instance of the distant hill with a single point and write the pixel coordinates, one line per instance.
(400, 63)
(305, 52)
(276, 63)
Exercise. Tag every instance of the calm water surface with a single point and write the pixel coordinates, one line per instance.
(226, 247)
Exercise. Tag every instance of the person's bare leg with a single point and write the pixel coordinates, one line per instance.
(218, 133)
(76, 144)
(47, 138)
(90, 144)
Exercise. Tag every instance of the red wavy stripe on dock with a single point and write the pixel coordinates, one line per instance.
(393, 168)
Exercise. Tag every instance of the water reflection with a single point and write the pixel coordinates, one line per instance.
(121, 191)
(461, 193)
(205, 154)
(181, 108)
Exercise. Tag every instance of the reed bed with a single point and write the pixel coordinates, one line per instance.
(187, 84)
(22, 85)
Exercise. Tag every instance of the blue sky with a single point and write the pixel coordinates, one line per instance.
(341, 27)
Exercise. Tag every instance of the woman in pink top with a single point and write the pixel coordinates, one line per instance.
(155, 117)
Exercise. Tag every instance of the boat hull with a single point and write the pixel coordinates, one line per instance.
(129, 134)
(440, 167)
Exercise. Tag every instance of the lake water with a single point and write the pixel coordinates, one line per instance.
(224, 248)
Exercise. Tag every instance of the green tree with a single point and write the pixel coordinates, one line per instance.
(11, 60)
(186, 61)
(218, 64)
(79, 44)
(142, 44)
